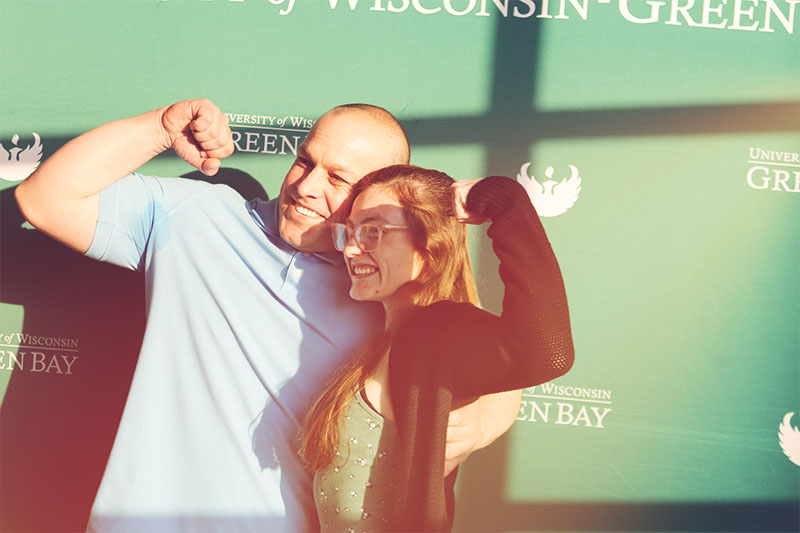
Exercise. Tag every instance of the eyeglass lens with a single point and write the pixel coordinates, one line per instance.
(367, 236)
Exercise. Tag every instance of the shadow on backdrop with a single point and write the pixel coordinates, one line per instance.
(56, 430)
(63, 404)
(483, 508)
(509, 130)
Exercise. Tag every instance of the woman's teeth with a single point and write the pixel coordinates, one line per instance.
(362, 270)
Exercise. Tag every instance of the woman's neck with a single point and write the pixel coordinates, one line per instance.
(394, 311)
(376, 388)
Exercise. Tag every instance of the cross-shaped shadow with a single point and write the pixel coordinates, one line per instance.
(508, 129)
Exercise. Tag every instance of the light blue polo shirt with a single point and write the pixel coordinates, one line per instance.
(242, 333)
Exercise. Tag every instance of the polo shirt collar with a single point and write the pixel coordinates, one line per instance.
(266, 215)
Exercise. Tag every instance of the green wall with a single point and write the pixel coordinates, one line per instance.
(681, 255)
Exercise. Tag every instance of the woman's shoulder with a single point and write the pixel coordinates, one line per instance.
(445, 309)
(436, 339)
(443, 318)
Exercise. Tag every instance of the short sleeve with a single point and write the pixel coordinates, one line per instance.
(130, 208)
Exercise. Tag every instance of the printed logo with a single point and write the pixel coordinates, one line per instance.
(789, 438)
(39, 354)
(772, 17)
(17, 163)
(774, 170)
(565, 405)
(551, 198)
(268, 134)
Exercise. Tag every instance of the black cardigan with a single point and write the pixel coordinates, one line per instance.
(447, 354)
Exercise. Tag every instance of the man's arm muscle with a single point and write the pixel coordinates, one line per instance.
(62, 197)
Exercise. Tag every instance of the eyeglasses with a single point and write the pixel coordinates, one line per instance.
(368, 236)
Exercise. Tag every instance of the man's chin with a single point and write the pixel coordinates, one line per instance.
(292, 237)
(306, 240)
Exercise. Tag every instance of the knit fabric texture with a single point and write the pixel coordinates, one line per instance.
(447, 354)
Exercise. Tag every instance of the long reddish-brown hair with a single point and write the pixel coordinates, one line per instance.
(446, 274)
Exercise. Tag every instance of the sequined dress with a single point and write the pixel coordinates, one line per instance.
(353, 493)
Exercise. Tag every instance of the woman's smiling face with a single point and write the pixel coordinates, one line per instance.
(376, 275)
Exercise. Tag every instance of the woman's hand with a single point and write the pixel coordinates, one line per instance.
(460, 190)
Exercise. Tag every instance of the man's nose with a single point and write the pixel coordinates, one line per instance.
(311, 184)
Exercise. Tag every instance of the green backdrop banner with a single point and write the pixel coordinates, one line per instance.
(661, 138)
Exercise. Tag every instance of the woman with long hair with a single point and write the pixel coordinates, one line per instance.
(376, 437)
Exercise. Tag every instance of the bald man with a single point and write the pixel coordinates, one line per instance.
(248, 312)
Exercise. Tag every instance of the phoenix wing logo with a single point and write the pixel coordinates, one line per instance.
(551, 198)
(789, 437)
(17, 163)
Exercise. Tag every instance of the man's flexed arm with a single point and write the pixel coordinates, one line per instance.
(62, 198)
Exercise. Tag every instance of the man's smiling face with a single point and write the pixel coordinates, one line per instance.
(340, 149)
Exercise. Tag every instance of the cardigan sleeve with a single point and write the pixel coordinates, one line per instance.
(535, 326)
(474, 352)
(448, 353)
